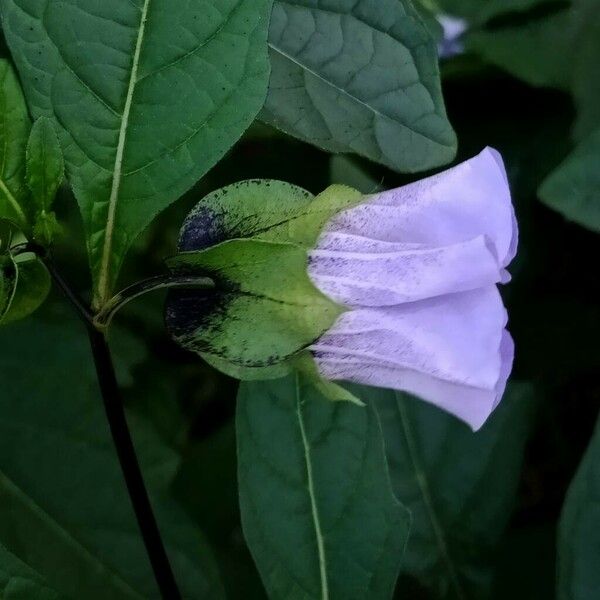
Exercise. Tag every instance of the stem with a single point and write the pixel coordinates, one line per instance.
(112, 306)
(115, 413)
(138, 494)
(80, 308)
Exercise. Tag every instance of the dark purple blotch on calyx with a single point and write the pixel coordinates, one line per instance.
(202, 229)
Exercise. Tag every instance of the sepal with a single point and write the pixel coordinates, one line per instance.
(263, 310)
(305, 364)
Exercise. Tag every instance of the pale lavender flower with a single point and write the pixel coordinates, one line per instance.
(417, 267)
(453, 29)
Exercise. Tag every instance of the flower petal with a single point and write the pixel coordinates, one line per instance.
(357, 271)
(457, 205)
(450, 350)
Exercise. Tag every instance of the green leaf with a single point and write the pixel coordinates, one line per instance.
(8, 283)
(573, 189)
(64, 509)
(459, 486)
(579, 530)
(14, 131)
(18, 581)
(264, 309)
(32, 287)
(147, 96)
(45, 165)
(317, 509)
(263, 209)
(342, 169)
(538, 51)
(6, 235)
(359, 76)
(44, 173)
(585, 37)
(46, 228)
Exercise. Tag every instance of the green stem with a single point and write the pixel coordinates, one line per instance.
(107, 312)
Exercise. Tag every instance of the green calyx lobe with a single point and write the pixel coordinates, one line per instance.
(253, 238)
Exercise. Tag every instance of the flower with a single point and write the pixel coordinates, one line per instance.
(453, 29)
(417, 269)
(396, 289)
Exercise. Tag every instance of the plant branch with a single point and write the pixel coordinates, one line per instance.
(138, 494)
(117, 420)
(118, 301)
(76, 302)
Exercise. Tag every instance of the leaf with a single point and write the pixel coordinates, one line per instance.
(44, 173)
(32, 287)
(358, 76)
(585, 36)
(264, 209)
(17, 580)
(343, 170)
(147, 95)
(45, 165)
(538, 51)
(459, 486)
(8, 283)
(317, 508)
(14, 131)
(207, 485)
(64, 509)
(264, 309)
(6, 235)
(579, 530)
(573, 189)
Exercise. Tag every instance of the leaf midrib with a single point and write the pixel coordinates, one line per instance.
(423, 485)
(313, 500)
(103, 278)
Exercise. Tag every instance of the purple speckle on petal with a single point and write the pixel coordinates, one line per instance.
(418, 268)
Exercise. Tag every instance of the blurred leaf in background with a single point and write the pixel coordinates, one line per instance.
(585, 56)
(17, 580)
(64, 508)
(460, 486)
(579, 530)
(573, 189)
(536, 50)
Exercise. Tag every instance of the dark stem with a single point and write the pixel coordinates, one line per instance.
(76, 302)
(115, 413)
(117, 421)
